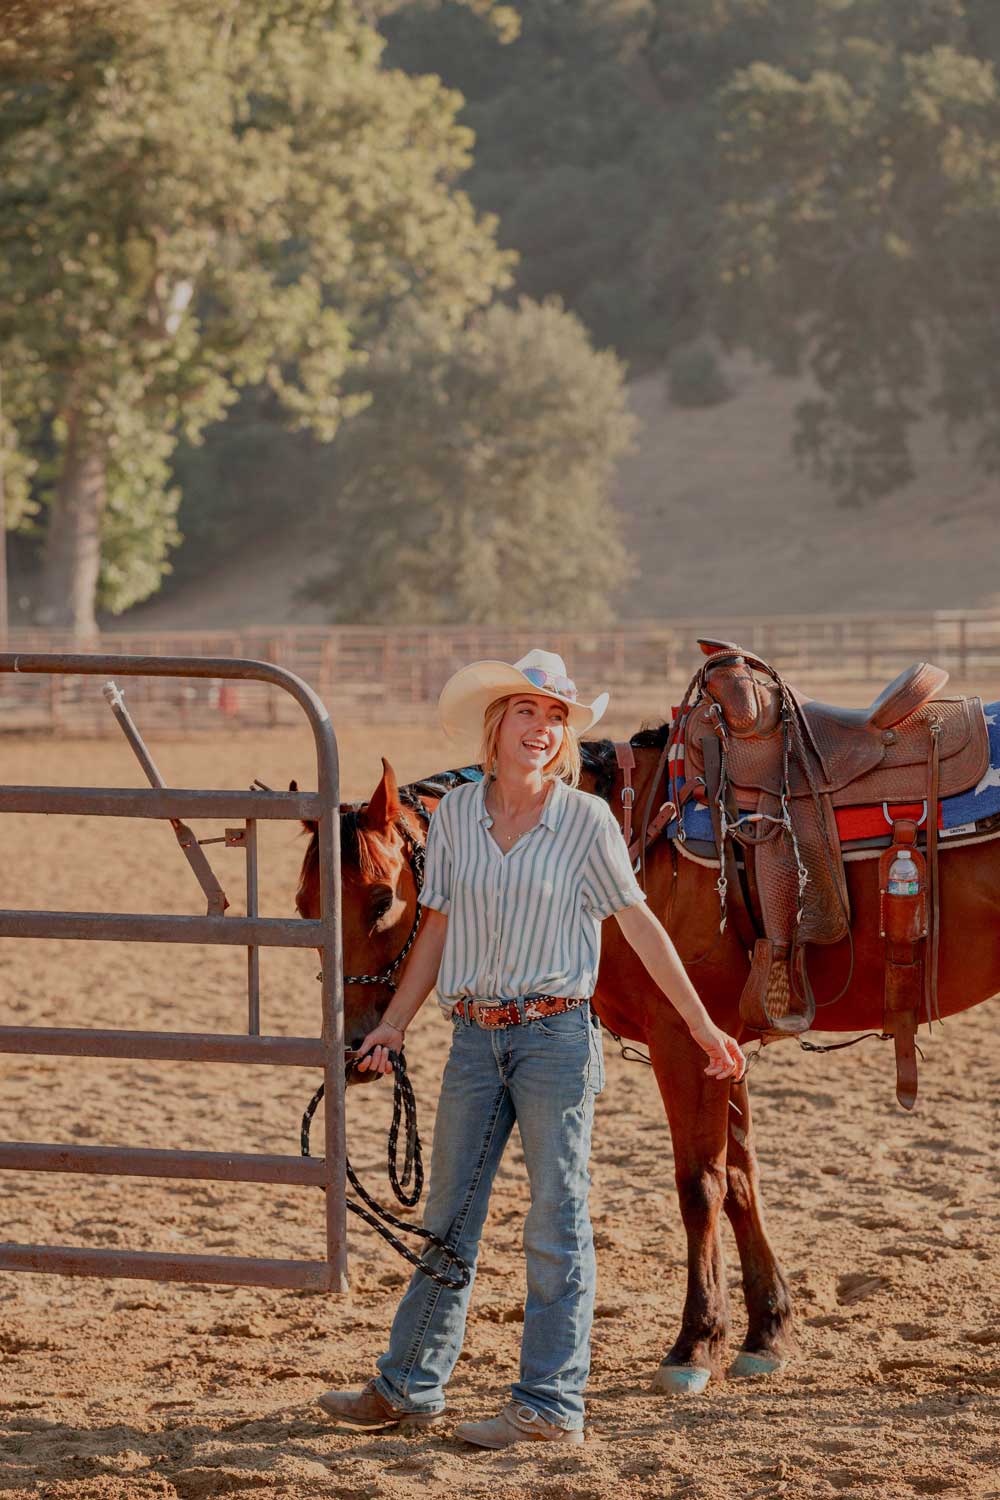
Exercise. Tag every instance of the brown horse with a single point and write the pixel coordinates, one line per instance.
(715, 1160)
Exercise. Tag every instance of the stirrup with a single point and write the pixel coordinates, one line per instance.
(769, 1001)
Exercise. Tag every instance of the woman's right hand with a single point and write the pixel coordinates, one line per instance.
(373, 1054)
(726, 1057)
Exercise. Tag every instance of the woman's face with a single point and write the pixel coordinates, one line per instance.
(531, 732)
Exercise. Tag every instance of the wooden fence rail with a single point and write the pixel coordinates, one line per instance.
(369, 675)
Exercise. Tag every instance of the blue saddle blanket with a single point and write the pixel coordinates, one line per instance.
(959, 814)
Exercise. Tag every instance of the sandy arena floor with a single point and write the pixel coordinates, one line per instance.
(886, 1224)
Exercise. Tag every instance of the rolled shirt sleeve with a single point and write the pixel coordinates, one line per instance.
(436, 890)
(609, 882)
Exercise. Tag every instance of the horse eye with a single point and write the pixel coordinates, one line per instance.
(380, 905)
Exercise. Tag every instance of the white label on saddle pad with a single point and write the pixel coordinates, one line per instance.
(949, 833)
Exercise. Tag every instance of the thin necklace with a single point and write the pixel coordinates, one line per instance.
(512, 838)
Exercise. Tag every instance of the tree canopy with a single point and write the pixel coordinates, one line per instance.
(195, 197)
(815, 179)
(862, 235)
(225, 221)
(475, 487)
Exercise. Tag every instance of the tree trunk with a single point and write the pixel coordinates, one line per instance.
(73, 542)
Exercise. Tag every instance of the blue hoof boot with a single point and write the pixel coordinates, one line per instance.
(754, 1364)
(681, 1380)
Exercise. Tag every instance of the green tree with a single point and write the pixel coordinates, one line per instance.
(197, 196)
(863, 234)
(475, 488)
(811, 177)
(564, 129)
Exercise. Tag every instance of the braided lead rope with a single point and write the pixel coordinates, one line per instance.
(403, 1101)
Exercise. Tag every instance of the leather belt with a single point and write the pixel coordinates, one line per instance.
(490, 1015)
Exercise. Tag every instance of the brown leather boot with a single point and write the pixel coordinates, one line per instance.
(369, 1408)
(517, 1423)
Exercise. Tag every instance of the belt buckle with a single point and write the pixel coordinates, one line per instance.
(479, 1008)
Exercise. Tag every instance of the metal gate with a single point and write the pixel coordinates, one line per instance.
(325, 1051)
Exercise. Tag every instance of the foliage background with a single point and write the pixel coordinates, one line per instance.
(816, 182)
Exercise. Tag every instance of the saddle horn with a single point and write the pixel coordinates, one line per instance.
(735, 654)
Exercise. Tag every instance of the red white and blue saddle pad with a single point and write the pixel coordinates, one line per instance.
(969, 813)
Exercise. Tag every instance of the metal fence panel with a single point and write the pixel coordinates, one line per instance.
(325, 1051)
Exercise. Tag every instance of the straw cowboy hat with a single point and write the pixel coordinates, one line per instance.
(467, 695)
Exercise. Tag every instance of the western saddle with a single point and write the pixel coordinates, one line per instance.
(774, 766)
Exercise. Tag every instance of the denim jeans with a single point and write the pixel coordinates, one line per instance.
(544, 1075)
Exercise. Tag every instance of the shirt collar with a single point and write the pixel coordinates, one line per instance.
(552, 812)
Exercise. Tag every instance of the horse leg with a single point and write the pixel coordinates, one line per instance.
(769, 1338)
(696, 1109)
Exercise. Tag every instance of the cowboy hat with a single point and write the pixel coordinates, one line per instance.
(467, 694)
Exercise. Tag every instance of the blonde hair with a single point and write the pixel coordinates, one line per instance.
(564, 765)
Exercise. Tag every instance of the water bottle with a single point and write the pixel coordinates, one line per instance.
(904, 877)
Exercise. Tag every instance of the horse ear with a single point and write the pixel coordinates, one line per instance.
(384, 806)
(308, 824)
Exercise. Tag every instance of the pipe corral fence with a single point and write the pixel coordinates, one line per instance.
(370, 675)
(325, 1051)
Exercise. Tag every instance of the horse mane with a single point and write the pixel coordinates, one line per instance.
(367, 851)
(653, 737)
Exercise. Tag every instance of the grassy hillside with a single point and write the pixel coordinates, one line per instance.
(714, 508)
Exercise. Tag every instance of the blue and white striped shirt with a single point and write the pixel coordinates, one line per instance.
(527, 921)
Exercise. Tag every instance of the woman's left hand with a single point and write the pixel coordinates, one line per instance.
(726, 1057)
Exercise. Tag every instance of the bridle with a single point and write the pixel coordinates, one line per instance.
(386, 976)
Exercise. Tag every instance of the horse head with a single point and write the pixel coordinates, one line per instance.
(380, 844)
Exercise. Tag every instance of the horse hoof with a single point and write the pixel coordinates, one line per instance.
(754, 1364)
(681, 1380)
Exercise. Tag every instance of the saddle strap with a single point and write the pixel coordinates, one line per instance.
(903, 923)
(646, 837)
(625, 756)
(729, 875)
(933, 893)
(904, 1036)
(654, 828)
(651, 829)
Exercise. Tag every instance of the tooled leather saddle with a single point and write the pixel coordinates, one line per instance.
(775, 765)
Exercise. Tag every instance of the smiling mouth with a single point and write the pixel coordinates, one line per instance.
(534, 745)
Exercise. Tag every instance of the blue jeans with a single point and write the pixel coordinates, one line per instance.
(544, 1075)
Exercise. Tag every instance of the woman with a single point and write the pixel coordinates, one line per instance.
(521, 870)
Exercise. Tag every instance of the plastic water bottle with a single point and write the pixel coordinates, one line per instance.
(904, 878)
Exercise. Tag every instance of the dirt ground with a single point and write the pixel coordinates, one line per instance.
(127, 1390)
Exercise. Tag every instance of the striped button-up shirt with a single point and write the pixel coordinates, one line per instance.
(527, 921)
